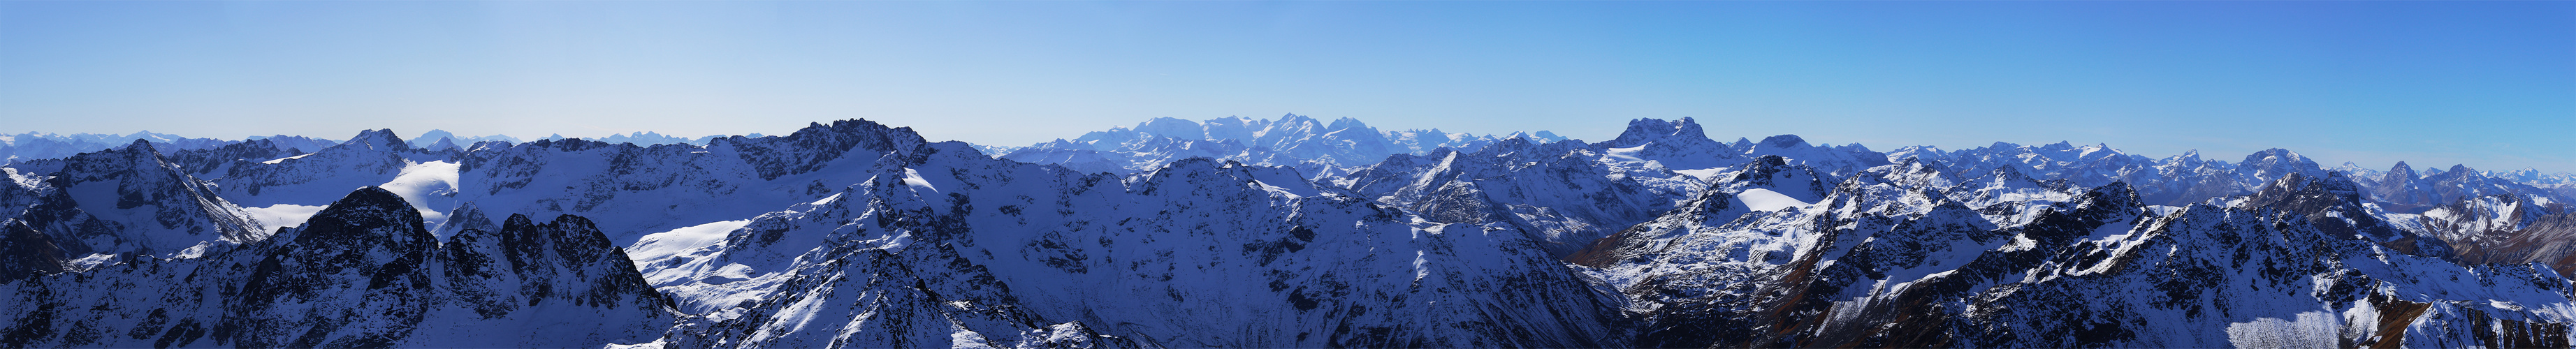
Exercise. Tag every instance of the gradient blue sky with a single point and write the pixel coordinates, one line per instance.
(2489, 84)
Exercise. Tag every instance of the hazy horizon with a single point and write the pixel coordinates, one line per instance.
(2328, 163)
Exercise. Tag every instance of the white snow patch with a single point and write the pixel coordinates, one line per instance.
(1421, 268)
(427, 185)
(196, 251)
(656, 344)
(1704, 175)
(1284, 192)
(283, 215)
(283, 159)
(91, 261)
(2315, 329)
(961, 338)
(896, 242)
(1760, 199)
(22, 179)
(2504, 305)
(913, 178)
(657, 246)
(1628, 154)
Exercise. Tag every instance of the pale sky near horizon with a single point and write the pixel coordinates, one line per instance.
(2488, 84)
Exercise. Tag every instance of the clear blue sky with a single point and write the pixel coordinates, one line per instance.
(2489, 84)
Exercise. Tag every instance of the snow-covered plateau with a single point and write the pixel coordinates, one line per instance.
(1251, 233)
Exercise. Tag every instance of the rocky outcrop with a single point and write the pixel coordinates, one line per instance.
(1883, 265)
(948, 248)
(130, 200)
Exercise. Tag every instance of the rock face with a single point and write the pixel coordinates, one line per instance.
(129, 200)
(1879, 264)
(2503, 228)
(26, 253)
(2402, 190)
(1240, 232)
(2549, 239)
(362, 273)
(1556, 191)
(1673, 144)
(945, 247)
(372, 157)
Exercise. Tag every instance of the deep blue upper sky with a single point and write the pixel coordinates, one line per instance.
(2489, 84)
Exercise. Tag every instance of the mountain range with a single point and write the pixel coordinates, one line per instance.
(1240, 232)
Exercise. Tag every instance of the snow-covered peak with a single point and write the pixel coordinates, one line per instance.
(433, 134)
(1782, 142)
(1676, 145)
(368, 218)
(647, 138)
(1313, 146)
(1913, 172)
(362, 273)
(444, 144)
(2533, 176)
(428, 140)
(817, 145)
(1843, 160)
(1924, 152)
(2270, 164)
(125, 200)
(2187, 157)
(1257, 233)
(35, 145)
(300, 144)
(378, 140)
(1233, 127)
(1647, 130)
(139, 147)
(1172, 127)
(1540, 136)
(1347, 123)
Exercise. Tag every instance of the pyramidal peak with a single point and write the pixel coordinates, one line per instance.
(377, 139)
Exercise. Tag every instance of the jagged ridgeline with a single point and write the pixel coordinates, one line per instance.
(1239, 232)
(364, 272)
